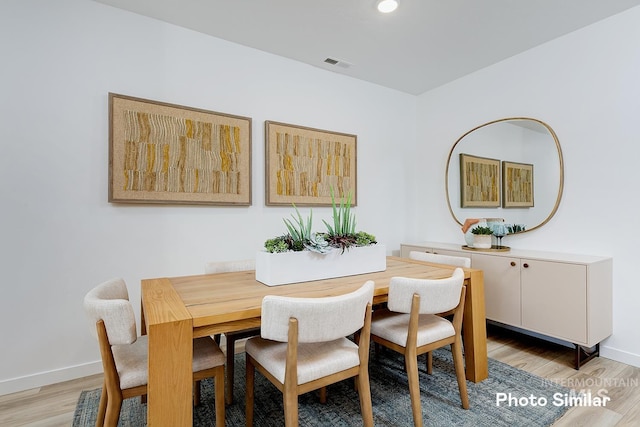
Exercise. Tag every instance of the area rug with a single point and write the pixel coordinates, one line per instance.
(389, 394)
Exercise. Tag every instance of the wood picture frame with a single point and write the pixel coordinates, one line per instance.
(304, 164)
(171, 154)
(517, 185)
(479, 182)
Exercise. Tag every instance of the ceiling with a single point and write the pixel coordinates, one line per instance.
(420, 46)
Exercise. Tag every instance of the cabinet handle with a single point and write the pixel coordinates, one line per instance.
(525, 265)
(513, 263)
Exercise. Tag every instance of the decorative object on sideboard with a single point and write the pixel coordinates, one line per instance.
(499, 230)
(481, 237)
(303, 255)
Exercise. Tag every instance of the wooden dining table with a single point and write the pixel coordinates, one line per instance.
(178, 309)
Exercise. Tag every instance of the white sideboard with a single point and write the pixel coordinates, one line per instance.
(564, 296)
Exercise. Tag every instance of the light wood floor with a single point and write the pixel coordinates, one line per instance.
(54, 405)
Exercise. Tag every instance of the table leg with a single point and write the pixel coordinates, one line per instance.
(170, 332)
(474, 330)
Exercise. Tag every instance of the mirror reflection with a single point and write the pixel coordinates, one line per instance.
(516, 141)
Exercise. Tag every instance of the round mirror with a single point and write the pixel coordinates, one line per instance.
(509, 168)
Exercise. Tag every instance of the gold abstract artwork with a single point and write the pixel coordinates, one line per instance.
(517, 186)
(166, 153)
(304, 165)
(479, 181)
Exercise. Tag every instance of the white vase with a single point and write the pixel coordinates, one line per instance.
(275, 269)
(482, 241)
(469, 237)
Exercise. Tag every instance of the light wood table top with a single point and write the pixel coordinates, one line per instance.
(175, 310)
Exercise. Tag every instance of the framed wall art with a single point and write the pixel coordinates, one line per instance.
(479, 182)
(171, 154)
(517, 185)
(303, 165)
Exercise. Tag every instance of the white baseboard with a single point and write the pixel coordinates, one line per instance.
(620, 356)
(14, 385)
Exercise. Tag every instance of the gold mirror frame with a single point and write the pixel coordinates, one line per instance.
(560, 160)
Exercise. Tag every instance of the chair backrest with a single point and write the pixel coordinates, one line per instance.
(436, 295)
(229, 266)
(109, 302)
(458, 261)
(319, 319)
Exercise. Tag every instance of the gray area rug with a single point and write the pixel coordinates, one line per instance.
(389, 394)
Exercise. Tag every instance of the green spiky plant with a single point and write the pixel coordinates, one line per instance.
(299, 229)
(341, 234)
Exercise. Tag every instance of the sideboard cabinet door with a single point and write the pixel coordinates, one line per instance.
(554, 299)
(501, 287)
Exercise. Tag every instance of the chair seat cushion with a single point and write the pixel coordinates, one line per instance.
(131, 359)
(394, 327)
(315, 360)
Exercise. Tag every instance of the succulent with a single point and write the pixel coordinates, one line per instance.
(341, 234)
(277, 244)
(515, 228)
(365, 239)
(482, 230)
(317, 243)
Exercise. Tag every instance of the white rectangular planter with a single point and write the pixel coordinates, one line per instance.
(275, 269)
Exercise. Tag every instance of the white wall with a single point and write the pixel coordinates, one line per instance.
(58, 235)
(585, 86)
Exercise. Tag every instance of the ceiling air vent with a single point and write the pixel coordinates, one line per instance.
(338, 62)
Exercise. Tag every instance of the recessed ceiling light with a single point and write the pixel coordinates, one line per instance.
(386, 6)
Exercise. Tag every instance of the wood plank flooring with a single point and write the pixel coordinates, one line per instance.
(54, 405)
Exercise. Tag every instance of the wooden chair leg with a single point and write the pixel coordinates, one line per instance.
(114, 403)
(250, 374)
(411, 363)
(102, 408)
(364, 392)
(456, 351)
(196, 393)
(290, 400)
(323, 395)
(231, 353)
(429, 363)
(219, 390)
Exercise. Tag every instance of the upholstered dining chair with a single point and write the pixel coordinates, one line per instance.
(214, 267)
(124, 354)
(458, 261)
(303, 347)
(411, 326)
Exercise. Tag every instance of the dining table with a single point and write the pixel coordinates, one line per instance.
(175, 310)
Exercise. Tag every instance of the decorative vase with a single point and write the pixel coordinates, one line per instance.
(274, 269)
(482, 241)
(469, 237)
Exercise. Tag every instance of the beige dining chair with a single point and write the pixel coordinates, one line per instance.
(458, 261)
(124, 354)
(411, 326)
(214, 267)
(303, 347)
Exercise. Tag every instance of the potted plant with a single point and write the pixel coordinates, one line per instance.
(303, 255)
(482, 237)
